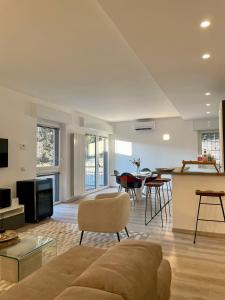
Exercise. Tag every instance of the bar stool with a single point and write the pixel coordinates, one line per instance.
(168, 189)
(157, 186)
(214, 194)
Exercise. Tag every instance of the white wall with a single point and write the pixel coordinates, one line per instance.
(19, 126)
(150, 147)
(19, 115)
(69, 122)
(18, 120)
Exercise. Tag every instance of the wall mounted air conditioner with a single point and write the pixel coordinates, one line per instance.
(144, 124)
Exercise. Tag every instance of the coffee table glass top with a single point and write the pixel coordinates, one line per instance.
(25, 246)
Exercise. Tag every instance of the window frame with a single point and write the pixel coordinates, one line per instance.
(97, 153)
(106, 163)
(95, 160)
(200, 150)
(56, 169)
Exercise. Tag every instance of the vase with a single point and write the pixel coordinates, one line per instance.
(138, 170)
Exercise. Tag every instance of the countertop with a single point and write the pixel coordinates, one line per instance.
(199, 171)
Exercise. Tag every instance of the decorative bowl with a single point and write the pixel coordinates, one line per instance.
(167, 170)
(8, 235)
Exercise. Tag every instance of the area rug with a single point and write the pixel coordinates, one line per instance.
(67, 235)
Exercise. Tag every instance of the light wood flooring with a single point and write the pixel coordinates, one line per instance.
(198, 270)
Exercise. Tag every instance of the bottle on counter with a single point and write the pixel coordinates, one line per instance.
(209, 157)
(200, 158)
(205, 155)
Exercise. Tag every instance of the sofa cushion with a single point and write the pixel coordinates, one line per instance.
(164, 280)
(85, 293)
(128, 269)
(50, 280)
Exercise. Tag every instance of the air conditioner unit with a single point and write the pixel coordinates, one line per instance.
(144, 124)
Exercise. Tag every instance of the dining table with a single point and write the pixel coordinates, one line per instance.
(158, 172)
(141, 191)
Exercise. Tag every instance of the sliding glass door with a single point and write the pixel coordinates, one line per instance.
(96, 162)
(90, 162)
(102, 161)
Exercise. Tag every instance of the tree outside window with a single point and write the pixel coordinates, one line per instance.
(47, 146)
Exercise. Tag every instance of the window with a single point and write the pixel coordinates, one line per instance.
(48, 156)
(96, 162)
(90, 162)
(209, 143)
(102, 161)
(123, 148)
(47, 146)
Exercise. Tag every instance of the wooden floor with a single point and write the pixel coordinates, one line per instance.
(198, 270)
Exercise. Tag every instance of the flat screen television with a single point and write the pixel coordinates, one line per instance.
(3, 153)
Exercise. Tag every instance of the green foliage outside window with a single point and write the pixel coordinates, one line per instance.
(46, 146)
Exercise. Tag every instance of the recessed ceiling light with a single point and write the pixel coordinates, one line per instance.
(208, 104)
(206, 56)
(208, 112)
(205, 23)
(208, 94)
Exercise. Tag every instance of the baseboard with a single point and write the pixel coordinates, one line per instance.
(202, 233)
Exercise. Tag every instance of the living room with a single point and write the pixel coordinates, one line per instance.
(111, 136)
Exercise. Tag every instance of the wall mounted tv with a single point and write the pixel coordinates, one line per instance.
(3, 153)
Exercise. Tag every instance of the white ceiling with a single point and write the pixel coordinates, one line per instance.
(166, 36)
(116, 60)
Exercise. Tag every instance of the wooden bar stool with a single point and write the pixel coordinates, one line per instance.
(157, 186)
(213, 194)
(168, 189)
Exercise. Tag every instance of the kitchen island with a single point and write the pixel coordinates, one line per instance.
(185, 202)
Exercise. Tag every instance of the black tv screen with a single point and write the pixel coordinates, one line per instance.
(3, 153)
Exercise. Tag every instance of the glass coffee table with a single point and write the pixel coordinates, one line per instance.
(24, 256)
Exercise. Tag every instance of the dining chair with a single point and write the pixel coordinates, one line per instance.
(118, 181)
(145, 170)
(116, 172)
(129, 182)
(108, 213)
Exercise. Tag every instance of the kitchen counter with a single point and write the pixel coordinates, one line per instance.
(185, 202)
(199, 171)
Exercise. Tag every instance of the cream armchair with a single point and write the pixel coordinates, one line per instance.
(108, 213)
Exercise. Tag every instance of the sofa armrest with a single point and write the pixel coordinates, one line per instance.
(164, 280)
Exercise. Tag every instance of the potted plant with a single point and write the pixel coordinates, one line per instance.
(137, 164)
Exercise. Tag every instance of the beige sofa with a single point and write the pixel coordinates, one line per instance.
(107, 213)
(130, 270)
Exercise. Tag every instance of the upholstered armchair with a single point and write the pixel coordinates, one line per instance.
(108, 213)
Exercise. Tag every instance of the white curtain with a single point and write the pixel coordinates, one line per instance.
(77, 164)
